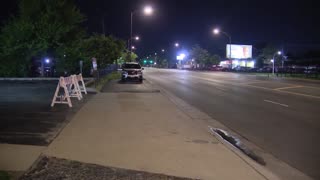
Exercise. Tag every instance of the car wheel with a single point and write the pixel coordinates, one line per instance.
(141, 80)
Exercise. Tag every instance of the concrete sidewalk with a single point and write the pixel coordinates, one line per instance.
(147, 132)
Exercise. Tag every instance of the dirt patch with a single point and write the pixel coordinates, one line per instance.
(53, 168)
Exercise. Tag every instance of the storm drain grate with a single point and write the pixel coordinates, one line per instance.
(235, 142)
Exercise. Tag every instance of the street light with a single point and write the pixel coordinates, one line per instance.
(273, 60)
(47, 60)
(217, 31)
(137, 38)
(163, 50)
(132, 47)
(176, 44)
(148, 10)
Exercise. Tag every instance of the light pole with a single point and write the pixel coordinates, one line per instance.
(217, 31)
(273, 60)
(148, 10)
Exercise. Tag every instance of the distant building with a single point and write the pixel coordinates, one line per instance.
(238, 63)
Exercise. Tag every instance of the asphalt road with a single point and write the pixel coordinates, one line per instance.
(280, 116)
(26, 116)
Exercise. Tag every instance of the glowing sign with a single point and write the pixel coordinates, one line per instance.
(239, 51)
(181, 57)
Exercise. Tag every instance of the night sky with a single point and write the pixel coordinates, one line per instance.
(291, 25)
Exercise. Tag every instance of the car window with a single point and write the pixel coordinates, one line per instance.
(131, 66)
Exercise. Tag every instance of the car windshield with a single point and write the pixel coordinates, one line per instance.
(131, 66)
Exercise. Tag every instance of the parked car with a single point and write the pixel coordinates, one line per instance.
(132, 71)
(242, 69)
(265, 70)
(216, 68)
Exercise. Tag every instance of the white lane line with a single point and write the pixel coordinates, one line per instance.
(284, 105)
(290, 87)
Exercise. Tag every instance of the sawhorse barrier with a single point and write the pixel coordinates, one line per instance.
(82, 86)
(70, 88)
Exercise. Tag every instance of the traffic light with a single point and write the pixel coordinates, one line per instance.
(145, 61)
(151, 62)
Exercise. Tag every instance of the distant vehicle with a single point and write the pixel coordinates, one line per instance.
(242, 69)
(132, 71)
(216, 68)
(311, 70)
(265, 70)
(253, 70)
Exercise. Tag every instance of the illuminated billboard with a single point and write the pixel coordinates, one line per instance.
(239, 51)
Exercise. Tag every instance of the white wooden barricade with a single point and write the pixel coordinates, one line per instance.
(62, 99)
(74, 88)
(82, 85)
(70, 88)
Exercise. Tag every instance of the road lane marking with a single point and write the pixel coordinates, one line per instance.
(289, 87)
(287, 92)
(299, 94)
(284, 105)
(225, 83)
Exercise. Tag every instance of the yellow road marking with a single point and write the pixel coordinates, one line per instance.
(219, 83)
(300, 94)
(289, 87)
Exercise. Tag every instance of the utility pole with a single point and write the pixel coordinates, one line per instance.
(103, 27)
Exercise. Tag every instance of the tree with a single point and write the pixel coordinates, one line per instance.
(125, 57)
(163, 63)
(212, 60)
(200, 55)
(106, 49)
(42, 28)
(267, 53)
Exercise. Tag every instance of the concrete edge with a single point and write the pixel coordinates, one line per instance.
(36, 79)
(278, 168)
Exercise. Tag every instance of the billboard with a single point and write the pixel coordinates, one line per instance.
(239, 51)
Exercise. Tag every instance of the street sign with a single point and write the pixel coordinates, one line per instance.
(81, 65)
(94, 64)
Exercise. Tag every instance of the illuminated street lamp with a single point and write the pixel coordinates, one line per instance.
(162, 50)
(132, 47)
(148, 10)
(137, 38)
(218, 31)
(176, 44)
(273, 60)
(47, 60)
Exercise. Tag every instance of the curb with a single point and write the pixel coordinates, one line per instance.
(274, 169)
(36, 79)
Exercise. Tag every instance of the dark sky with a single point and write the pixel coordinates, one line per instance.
(292, 24)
